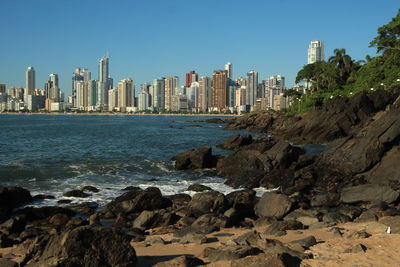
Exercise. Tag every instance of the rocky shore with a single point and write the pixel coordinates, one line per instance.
(335, 208)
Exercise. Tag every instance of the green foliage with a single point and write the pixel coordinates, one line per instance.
(343, 76)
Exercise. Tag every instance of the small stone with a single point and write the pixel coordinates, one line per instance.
(359, 235)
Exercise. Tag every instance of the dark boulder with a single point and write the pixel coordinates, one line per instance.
(199, 158)
(268, 259)
(368, 193)
(85, 246)
(279, 228)
(198, 188)
(211, 220)
(42, 196)
(225, 253)
(179, 201)
(181, 261)
(151, 219)
(75, 193)
(90, 189)
(11, 198)
(243, 202)
(248, 167)
(236, 141)
(138, 201)
(273, 205)
(207, 202)
(13, 225)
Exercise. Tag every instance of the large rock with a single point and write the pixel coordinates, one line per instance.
(11, 198)
(267, 260)
(247, 167)
(368, 193)
(195, 159)
(273, 205)
(138, 201)
(243, 202)
(207, 202)
(236, 141)
(151, 219)
(85, 246)
(229, 252)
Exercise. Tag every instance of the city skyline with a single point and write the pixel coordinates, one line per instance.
(55, 47)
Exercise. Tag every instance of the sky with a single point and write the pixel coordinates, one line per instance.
(158, 38)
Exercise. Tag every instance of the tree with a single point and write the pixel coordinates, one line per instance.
(388, 39)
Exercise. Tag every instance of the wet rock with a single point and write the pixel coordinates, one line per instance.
(368, 193)
(43, 213)
(85, 246)
(273, 205)
(64, 201)
(90, 189)
(181, 261)
(207, 202)
(138, 201)
(131, 188)
(236, 141)
(75, 193)
(11, 198)
(229, 252)
(198, 188)
(356, 249)
(199, 158)
(85, 208)
(42, 196)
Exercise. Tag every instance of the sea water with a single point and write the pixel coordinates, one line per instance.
(52, 154)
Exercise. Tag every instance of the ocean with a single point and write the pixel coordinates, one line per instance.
(52, 154)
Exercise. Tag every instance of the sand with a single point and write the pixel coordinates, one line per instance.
(383, 249)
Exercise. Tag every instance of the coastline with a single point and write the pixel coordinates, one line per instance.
(121, 114)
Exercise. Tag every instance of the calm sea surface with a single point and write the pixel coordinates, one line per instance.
(54, 154)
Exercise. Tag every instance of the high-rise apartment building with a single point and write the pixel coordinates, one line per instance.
(2, 88)
(158, 94)
(126, 94)
(190, 77)
(205, 94)
(252, 86)
(104, 82)
(219, 85)
(30, 82)
(315, 52)
(112, 99)
(171, 89)
(92, 92)
(228, 68)
(274, 85)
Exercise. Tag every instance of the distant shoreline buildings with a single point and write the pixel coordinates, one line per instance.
(219, 93)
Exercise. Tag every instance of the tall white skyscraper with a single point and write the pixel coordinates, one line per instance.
(252, 79)
(54, 79)
(228, 68)
(205, 93)
(316, 52)
(274, 85)
(158, 96)
(104, 81)
(30, 83)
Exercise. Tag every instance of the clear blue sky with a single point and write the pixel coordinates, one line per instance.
(151, 39)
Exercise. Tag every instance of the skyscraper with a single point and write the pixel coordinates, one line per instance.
(205, 94)
(171, 89)
(251, 91)
(158, 96)
(228, 68)
(274, 85)
(315, 52)
(77, 76)
(190, 77)
(219, 86)
(125, 94)
(2, 88)
(104, 81)
(112, 99)
(54, 79)
(30, 83)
